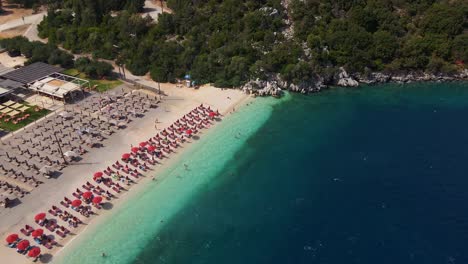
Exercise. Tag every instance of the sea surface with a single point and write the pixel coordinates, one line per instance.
(371, 175)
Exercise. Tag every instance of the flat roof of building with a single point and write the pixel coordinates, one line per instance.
(4, 69)
(31, 72)
(57, 84)
(10, 84)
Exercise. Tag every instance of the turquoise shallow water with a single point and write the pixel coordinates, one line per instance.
(369, 175)
(140, 218)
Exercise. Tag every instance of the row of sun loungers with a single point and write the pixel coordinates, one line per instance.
(77, 130)
(116, 178)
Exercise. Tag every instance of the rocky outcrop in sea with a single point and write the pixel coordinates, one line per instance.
(274, 85)
(378, 77)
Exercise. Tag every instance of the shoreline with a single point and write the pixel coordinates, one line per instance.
(142, 184)
(173, 107)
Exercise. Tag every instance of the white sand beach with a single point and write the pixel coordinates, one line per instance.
(175, 103)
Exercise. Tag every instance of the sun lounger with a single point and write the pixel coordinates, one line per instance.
(26, 233)
(116, 189)
(64, 230)
(52, 212)
(52, 241)
(64, 204)
(56, 209)
(29, 228)
(51, 228)
(58, 232)
(76, 195)
(86, 187)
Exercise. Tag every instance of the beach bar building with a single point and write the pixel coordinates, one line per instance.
(48, 80)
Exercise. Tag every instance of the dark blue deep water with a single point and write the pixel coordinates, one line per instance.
(372, 175)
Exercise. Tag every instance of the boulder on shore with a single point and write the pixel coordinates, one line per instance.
(343, 79)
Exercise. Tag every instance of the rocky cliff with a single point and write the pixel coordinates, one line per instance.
(274, 85)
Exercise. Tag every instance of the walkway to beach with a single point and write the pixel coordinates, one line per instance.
(178, 102)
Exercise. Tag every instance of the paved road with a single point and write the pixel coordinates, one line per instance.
(32, 33)
(32, 19)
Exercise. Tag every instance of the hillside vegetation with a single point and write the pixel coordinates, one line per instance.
(228, 42)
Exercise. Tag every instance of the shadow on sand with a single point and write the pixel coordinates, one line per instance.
(46, 258)
(107, 206)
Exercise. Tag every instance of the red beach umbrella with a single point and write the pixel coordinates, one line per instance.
(135, 149)
(11, 238)
(39, 216)
(97, 200)
(212, 114)
(37, 232)
(87, 195)
(76, 203)
(125, 156)
(151, 148)
(34, 252)
(189, 131)
(22, 245)
(144, 143)
(98, 174)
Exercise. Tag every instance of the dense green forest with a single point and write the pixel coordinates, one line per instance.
(228, 42)
(39, 52)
